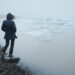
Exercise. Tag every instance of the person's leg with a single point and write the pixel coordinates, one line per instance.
(6, 46)
(12, 46)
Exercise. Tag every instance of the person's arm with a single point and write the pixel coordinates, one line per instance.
(14, 27)
(3, 28)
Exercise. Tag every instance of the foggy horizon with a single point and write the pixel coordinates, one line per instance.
(47, 45)
(39, 8)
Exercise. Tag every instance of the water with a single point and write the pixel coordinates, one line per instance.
(45, 45)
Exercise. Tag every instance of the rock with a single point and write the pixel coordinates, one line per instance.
(8, 66)
(12, 60)
(12, 69)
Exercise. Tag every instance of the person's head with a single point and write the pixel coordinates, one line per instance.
(10, 16)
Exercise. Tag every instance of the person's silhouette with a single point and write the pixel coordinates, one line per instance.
(9, 28)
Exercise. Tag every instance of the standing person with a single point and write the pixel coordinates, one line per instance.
(9, 28)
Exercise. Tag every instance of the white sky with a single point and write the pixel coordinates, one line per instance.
(39, 8)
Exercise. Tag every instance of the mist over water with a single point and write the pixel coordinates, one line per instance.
(46, 34)
(45, 46)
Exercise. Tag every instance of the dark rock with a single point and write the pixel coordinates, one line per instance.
(8, 66)
(12, 60)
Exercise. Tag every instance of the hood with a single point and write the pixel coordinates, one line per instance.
(10, 16)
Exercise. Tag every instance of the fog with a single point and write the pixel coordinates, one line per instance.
(45, 33)
(39, 8)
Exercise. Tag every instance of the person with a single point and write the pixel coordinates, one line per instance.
(9, 28)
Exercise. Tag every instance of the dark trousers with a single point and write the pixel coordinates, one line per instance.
(11, 47)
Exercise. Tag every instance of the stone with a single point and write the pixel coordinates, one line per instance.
(8, 66)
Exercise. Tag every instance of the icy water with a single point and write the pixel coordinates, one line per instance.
(45, 45)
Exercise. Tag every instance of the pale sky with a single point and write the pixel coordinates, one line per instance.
(39, 8)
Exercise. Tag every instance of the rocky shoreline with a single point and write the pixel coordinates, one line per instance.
(8, 68)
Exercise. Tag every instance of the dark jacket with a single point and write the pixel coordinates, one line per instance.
(9, 28)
